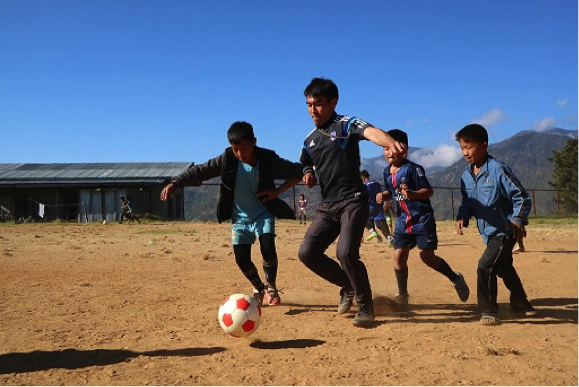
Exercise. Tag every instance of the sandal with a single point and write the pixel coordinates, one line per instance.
(489, 319)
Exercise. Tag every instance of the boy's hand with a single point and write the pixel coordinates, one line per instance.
(267, 195)
(168, 191)
(310, 180)
(519, 231)
(459, 226)
(403, 190)
(379, 197)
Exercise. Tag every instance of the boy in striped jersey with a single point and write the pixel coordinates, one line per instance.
(407, 184)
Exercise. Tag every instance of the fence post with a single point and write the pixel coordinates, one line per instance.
(452, 202)
(294, 193)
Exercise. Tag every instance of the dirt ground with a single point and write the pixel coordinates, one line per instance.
(137, 305)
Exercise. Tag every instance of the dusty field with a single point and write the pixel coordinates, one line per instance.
(100, 305)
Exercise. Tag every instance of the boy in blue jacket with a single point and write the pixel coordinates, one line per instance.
(495, 197)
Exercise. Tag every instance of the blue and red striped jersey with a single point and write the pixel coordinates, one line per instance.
(413, 216)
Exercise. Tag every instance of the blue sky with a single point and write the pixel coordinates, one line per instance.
(148, 81)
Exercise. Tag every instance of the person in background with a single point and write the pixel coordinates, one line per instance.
(127, 211)
(376, 219)
(303, 203)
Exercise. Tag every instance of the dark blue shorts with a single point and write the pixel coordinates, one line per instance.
(423, 241)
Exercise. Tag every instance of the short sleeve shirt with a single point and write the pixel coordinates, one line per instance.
(246, 207)
(334, 151)
(413, 216)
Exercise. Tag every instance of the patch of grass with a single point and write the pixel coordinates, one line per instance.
(566, 221)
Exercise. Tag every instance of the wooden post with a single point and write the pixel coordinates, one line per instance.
(85, 213)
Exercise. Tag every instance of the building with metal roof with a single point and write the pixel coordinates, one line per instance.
(87, 192)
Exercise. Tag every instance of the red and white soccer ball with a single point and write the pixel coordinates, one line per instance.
(239, 315)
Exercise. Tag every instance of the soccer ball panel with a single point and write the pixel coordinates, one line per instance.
(243, 304)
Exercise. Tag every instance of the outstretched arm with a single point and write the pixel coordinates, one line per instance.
(194, 175)
(271, 194)
(383, 139)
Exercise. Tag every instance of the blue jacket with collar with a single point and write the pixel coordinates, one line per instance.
(495, 197)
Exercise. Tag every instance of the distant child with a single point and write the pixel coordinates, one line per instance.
(303, 203)
(389, 215)
(495, 197)
(407, 184)
(127, 210)
(376, 218)
(248, 196)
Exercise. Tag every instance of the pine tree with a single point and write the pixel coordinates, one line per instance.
(565, 176)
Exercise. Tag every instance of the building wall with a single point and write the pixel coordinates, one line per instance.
(80, 204)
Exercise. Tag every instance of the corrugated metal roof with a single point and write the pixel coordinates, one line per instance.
(89, 173)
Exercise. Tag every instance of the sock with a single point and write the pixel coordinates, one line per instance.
(444, 269)
(269, 254)
(270, 271)
(402, 279)
(243, 260)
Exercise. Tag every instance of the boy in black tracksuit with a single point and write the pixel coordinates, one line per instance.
(248, 196)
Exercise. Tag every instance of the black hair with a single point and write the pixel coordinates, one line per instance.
(122, 198)
(365, 174)
(399, 135)
(473, 132)
(324, 87)
(240, 130)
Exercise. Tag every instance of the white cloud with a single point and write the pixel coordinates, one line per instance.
(544, 124)
(562, 102)
(490, 118)
(441, 156)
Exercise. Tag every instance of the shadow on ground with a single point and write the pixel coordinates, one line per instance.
(75, 358)
(285, 344)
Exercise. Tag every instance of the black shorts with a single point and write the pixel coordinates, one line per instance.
(423, 241)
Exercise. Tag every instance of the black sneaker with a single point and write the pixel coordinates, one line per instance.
(461, 287)
(525, 309)
(346, 300)
(364, 317)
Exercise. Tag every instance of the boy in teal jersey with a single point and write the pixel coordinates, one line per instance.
(249, 197)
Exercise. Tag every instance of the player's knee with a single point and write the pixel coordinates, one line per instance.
(305, 255)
